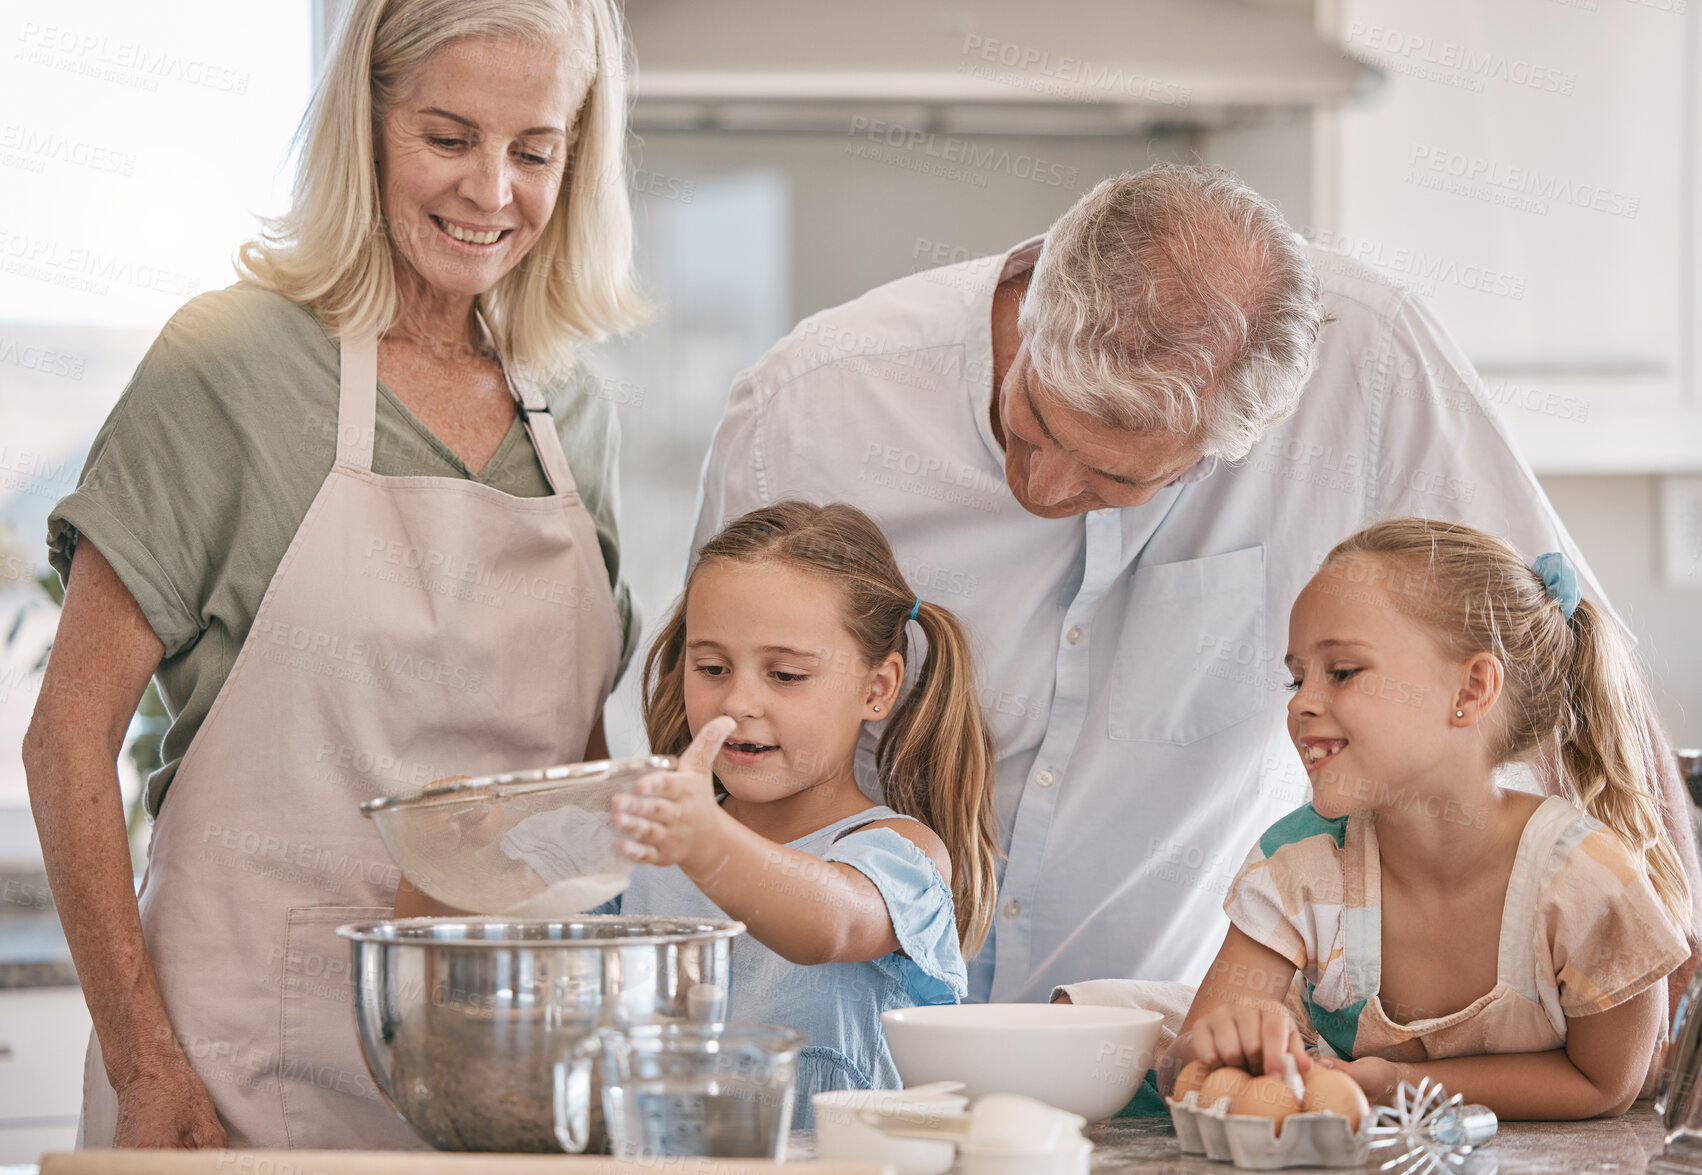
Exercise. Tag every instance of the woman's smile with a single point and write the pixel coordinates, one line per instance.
(465, 235)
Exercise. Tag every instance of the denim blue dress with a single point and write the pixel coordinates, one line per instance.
(837, 1006)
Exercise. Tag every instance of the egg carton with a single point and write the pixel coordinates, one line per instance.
(1247, 1140)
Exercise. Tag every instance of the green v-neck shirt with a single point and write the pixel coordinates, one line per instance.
(200, 477)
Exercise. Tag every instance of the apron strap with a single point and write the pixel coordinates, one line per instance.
(540, 425)
(357, 406)
(357, 402)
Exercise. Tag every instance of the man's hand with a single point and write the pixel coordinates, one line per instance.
(671, 818)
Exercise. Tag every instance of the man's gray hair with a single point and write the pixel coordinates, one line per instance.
(1175, 300)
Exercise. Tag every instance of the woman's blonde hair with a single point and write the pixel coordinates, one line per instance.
(332, 252)
(935, 759)
(1571, 685)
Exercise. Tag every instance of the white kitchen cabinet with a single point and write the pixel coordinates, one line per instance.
(43, 1033)
(1532, 169)
(26, 1144)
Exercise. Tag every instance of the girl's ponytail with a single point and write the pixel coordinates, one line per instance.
(665, 722)
(935, 762)
(1606, 755)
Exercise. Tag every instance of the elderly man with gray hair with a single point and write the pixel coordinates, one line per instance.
(1118, 452)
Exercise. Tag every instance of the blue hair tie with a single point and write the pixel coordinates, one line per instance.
(1560, 580)
(916, 607)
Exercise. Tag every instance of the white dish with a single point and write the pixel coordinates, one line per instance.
(1086, 1059)
(842, 1138)
(1072, 1160)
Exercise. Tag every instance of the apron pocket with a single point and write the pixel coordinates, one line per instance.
(1192, 659)
(330, 1100)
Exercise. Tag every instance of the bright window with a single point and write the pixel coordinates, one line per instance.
(138, 144)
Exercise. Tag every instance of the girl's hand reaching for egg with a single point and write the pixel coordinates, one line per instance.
(1251, 1036)
(671, 817)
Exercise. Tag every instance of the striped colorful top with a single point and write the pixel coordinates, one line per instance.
(1582, 930)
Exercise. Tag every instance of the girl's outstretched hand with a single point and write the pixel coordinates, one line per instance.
(1251, 1036)
(1375, 1076)
(671, 817)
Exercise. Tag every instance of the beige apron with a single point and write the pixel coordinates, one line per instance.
(417, 627)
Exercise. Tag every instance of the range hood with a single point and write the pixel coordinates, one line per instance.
(1080, 67)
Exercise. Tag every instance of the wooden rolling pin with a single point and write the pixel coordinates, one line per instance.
(151, 1162)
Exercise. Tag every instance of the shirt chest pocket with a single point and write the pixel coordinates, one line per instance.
(1192, 659)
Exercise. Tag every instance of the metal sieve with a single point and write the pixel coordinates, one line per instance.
(527, 844)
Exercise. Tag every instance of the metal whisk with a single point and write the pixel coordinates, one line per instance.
(1433, 1131)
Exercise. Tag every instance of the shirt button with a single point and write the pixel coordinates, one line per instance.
(1074, 634)
(1012, 909)
(1043, 778)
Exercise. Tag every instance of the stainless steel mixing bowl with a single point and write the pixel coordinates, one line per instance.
(463, 1020)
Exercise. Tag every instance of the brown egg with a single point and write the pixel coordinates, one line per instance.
(1334, 1092)
(1192, 1076)
(1266, 1097)
(1222, 1083)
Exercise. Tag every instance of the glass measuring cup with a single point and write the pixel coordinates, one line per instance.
(699, 1089)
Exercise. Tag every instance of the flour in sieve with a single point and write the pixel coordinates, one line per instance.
(572, 895)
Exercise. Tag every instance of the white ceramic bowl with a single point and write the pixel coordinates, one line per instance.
(1069, 1160)
(842, 1138)
(1085, 1059)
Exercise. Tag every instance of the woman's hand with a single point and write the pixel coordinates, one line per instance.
(165, 1106)
(1375, 1076)
(1251, 1036)
(103, 655)
(671, 818)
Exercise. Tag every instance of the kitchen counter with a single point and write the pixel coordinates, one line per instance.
(32, 946)
(38, 973)
(1622, 1146)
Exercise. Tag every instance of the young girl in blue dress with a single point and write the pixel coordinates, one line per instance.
(792, 633)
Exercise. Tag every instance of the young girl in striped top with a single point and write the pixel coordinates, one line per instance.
(1511, 947)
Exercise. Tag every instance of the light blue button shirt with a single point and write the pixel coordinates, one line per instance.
(1129, 661)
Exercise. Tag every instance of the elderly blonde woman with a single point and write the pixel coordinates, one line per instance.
(356, 515)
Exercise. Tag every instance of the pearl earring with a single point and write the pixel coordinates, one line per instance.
(877, 709)
(1459, 713)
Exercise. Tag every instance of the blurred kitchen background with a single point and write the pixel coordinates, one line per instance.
(1532, 168)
